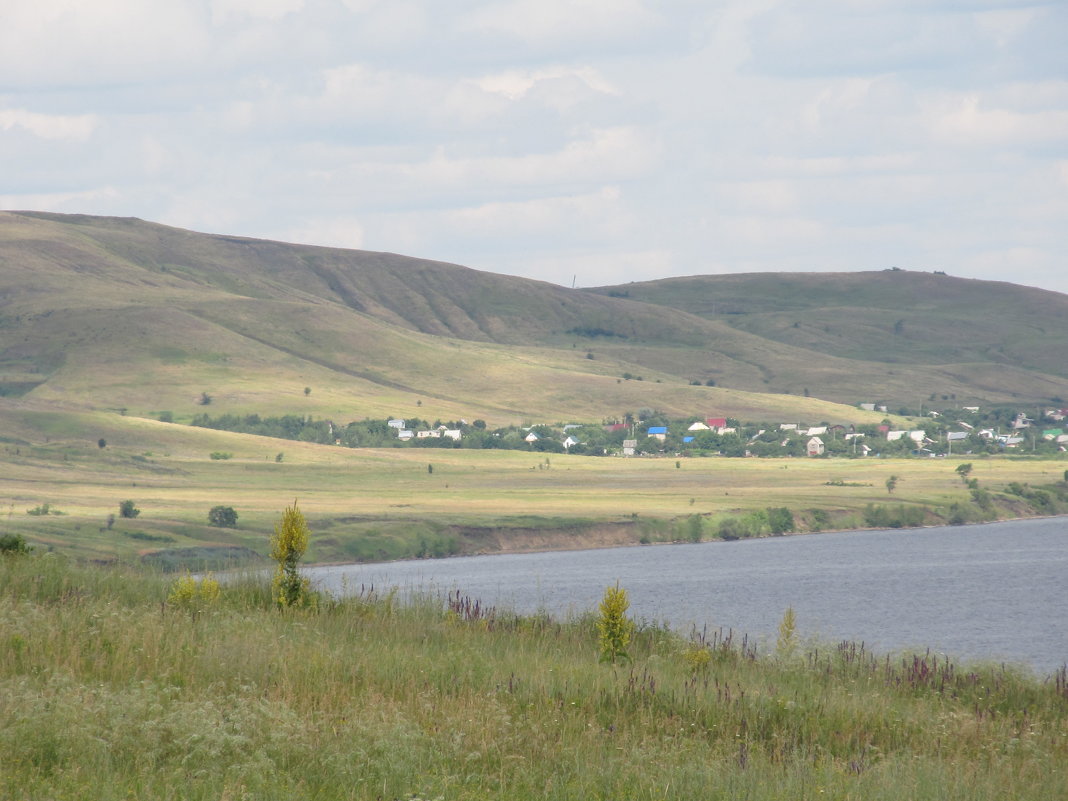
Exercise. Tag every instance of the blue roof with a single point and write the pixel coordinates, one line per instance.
(687, 439)
(657, 430)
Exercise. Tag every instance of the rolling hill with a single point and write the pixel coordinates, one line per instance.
(118, 313)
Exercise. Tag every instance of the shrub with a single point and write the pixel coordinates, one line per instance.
(223, 516)
(787, 640)
(128, 510)
(13, 544)
(221, 455)
(613, 627)
(187, 593)
(780, 520)
(288, 545)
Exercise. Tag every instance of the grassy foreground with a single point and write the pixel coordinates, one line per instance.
(108, 691)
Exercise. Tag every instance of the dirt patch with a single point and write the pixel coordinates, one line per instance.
(492, 539)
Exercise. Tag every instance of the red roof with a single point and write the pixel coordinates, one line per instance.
(616, 427)
(716, 422)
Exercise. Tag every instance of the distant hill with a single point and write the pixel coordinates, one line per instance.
(101, 312)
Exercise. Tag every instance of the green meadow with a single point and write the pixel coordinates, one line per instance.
(113, 687)
(375, 504)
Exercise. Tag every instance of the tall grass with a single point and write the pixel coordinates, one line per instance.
(106, 691)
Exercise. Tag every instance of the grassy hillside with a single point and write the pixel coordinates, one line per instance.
(109, 690)
(121, 314)
(894, 316)
(109, 313)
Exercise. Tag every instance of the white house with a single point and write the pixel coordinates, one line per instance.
(698, 426)
(816, 431)
(452, 433)
(569, 442)
(894, 436)
(816, 447)
(628, 446)
(405, 434)
(531, 437)
(395, 423)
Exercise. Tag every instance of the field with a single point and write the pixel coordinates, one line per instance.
(110, 689)
(368, 504)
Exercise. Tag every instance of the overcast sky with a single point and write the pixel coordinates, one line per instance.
(596, 141)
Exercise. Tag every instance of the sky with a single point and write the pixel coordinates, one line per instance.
(581, 142)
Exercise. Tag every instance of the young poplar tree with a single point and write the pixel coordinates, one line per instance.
(288, 545)
(613, 626)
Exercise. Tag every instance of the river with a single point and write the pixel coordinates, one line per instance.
(991, 592)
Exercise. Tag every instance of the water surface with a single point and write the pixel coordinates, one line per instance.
(997, 591)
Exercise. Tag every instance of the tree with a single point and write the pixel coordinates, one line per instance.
(613, 626)
(963, 470)
(223, 516)
(205, 399)
(307, 391)
(127, 509)
(891, 484)
(288, 545)
(14, 544)
(101, 443)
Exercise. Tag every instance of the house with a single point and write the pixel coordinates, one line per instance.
(787, 426)
(687, 440)
(816, 431)
(628, 446)
(727, 430)
(427, 434)
(405, 434)
(894, 436)
(816, 447)
(452, 433)
(395, 423)
(531, 437)
(716, 422)
(614, 427)
(956, 436)
(698, 426)
(569, 441)
(657, 432)
(1052, 433)
(918, 436)
(868, 407)
(966, 426)
(972, 409)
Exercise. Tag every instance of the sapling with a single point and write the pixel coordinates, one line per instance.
(288, 545)
(613, 626)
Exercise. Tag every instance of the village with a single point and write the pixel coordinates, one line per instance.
(964, 430)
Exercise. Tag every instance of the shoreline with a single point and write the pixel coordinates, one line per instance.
(503, 551)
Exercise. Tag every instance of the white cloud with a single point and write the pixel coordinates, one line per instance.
(514, 84)
(550, 21)
(965, 121)
(223, 11)
(49, 126)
